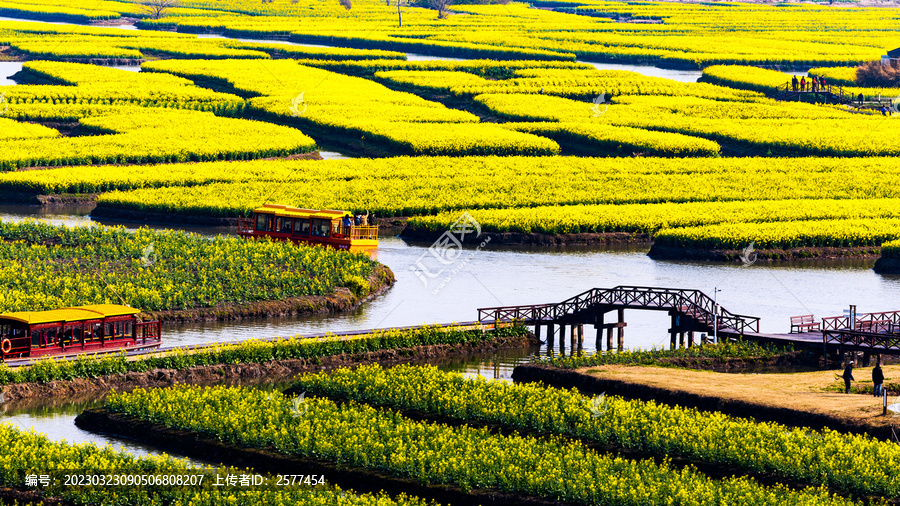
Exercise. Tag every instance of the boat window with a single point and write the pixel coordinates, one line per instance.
(93, 334)
(263, 222)
(114, 330)
(321, 228)
(283, 225)
(301, 226)
(126, 329)
(37, 338)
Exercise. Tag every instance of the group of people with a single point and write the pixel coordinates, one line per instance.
(877, 378)
(358, 220)
(813, 84)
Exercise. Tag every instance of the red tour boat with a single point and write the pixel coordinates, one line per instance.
(98, 328)
(335, 229)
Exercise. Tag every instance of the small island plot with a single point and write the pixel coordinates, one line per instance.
(335, 229)
(75, 330)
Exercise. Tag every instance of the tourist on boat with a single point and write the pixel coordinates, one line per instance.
(357, 219)
(877, 379)
(347, 224)
(795, 83)
(848, 376)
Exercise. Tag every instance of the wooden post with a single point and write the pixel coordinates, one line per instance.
(573, 336)
(866, 358)
(580, 334)
(609, 337)
(621, 329)
(672, 330)
(691, 339)
(537, 331)
(681, 339)
(551, 334)
(598, 324)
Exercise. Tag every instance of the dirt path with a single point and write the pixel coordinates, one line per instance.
(804, 391)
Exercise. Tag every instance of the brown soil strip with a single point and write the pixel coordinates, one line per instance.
(269, 460)
(243, 371)
(767, 255)
(793, 399)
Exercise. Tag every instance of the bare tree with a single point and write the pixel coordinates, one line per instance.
(877, 74)
(347, 4)
(157, 8)
(438, 5)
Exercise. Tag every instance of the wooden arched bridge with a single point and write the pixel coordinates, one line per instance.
(690, 311)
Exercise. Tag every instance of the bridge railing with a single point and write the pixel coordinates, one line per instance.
(693, 302)
(886, 321)
(845, 337)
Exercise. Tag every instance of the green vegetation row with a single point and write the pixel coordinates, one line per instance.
(850, 463)
(49, 267)
(651, 218)
(351, 434)
(27, 452)
(662, 356)
(252, 352)
(837, 233)
(427, 185)
(320, 101)
(137, 135)
(891, 249)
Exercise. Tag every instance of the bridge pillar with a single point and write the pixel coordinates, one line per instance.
(673, 330)
(573, 336)
(598, 325)
(580, 335)
(551, 334)
(866, 358)
(691, 339)
(537, 331)
(609, 338)
(621, 329)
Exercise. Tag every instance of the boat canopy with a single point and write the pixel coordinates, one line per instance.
(295, 212)
(70, 314)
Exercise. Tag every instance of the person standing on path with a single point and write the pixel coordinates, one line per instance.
(877, 379)
(848, 376)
